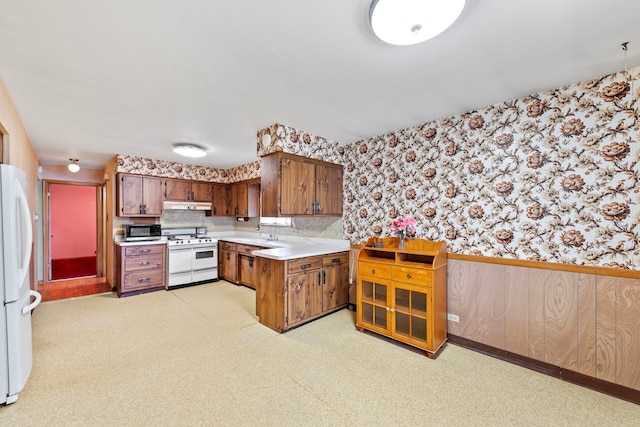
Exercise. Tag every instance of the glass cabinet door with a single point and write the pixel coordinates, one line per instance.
(411, 321)
(374, 308)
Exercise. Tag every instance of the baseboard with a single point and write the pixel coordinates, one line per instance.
(615, 390)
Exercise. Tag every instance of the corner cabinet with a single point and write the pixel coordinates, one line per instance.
(139, 196)
(294, 185)
(293, 292)
(402, 294)
(139, 269)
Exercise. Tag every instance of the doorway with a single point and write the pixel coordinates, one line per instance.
(72, 227)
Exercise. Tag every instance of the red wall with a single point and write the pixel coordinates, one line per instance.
(72, 219)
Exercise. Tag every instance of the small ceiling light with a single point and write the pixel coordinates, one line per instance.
(73, 166)
(189, 150)
(404, 22)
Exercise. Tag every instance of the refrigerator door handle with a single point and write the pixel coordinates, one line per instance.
(26, 233)
(34, 304)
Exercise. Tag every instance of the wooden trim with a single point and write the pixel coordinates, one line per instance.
(615, 390)
(602, 271)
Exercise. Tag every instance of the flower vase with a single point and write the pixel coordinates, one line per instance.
(402, 244)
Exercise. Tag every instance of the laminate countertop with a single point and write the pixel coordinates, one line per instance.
(285, 248)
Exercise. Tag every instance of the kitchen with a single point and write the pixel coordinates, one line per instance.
(397, 171)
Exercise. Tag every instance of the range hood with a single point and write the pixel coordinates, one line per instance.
(192, 206)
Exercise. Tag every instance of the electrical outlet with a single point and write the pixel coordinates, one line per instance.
(453, 317)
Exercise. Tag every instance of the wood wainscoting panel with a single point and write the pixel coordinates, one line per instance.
(606, 329)
(490, 304)
(536, 313)
(561, 317)
(516, 310)
(586, 322)
(628, 332)
(461, 285)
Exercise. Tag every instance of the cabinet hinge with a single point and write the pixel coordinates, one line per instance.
(286, 320)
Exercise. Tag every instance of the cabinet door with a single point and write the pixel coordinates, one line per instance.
(297, 187)
(220, 205)
(304, 297)
(328, 186)
(241, 199)
(374, 308)
(152, 192)
(228, 265)
(412, 314)
(177, 189)
(335, 287)
(130, 195)
(202, 191)
(247, 270)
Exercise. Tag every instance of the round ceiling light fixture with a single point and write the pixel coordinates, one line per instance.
(188, 149)
(73, 166)
(405, 22)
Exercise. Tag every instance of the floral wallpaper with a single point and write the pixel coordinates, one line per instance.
(549, 177)
(293, 141)
(165, 169)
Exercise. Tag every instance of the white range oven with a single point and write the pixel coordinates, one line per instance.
(192, 256)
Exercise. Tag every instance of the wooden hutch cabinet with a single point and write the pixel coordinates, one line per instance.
(139, 269)
(293, 292)
(139, 196)
(402, 294)
(294, 185)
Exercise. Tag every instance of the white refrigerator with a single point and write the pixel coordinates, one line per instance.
(15, 253)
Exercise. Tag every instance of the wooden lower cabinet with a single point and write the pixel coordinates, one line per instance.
(293, 292)
(402, 294)
(139, 269)
(228, 261)
(237, 264)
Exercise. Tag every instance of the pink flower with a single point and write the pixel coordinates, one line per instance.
(404, 226)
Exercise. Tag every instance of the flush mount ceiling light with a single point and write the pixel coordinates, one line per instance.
(405, 22)
(73, 166)
(189, 150)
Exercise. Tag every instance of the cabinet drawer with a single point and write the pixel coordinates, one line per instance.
(333, 260)
(247, 249)
(228, 246)
(143, 250)
(416, 276)
(143, 262)
(142, 280)
(374, 269)
(304, 264)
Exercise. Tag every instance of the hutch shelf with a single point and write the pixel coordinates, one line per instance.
(402, 294)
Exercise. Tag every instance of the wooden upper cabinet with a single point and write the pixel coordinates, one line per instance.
(139, 195)
(297, 196)
(201, 191)
(187, 191)
(177, 189)
(244, 198)
(328, 190)
(294, 185)
(220, 205)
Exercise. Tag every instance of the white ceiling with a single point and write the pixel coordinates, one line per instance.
(92, 79)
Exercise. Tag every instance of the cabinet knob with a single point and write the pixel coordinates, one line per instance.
(144, 251)
(144, 279)
(335, 260)
(143, 263)
(373, 271)
(408, 276)
(303, 266)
